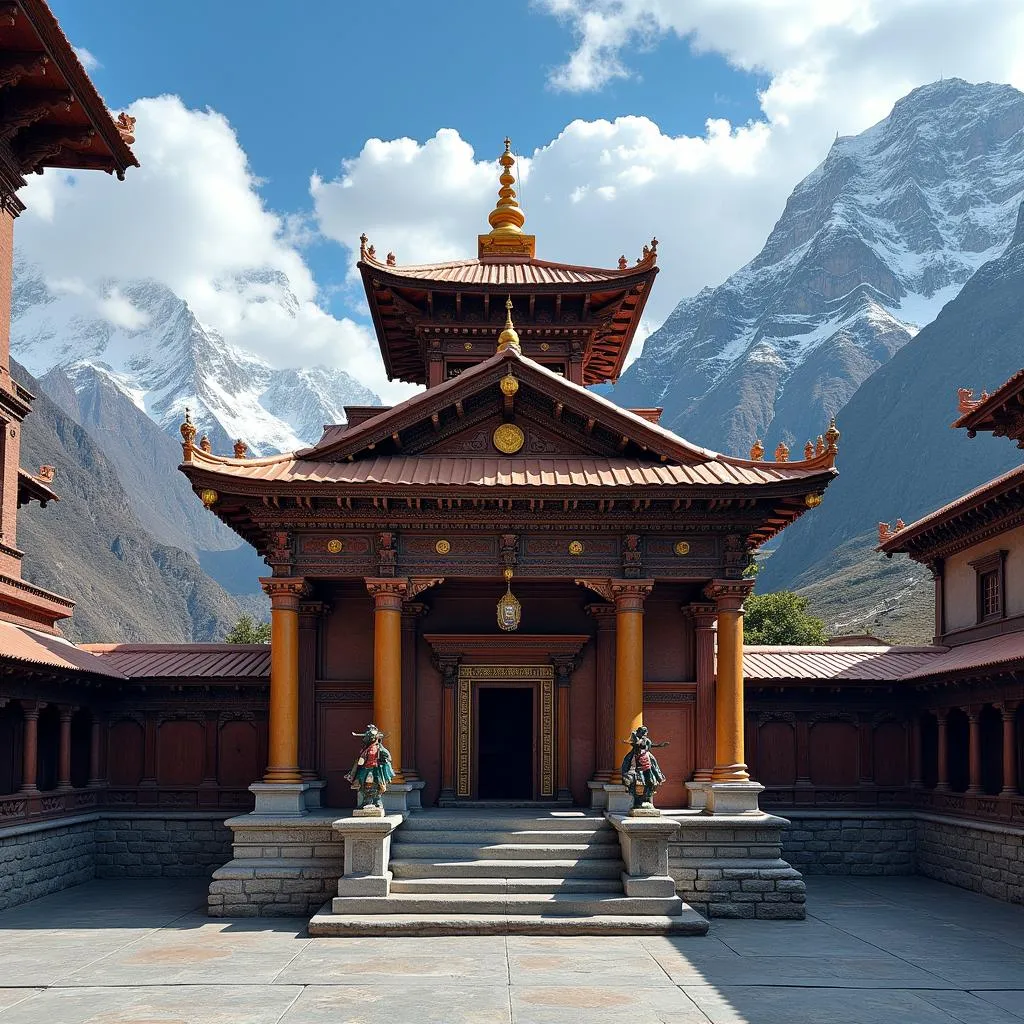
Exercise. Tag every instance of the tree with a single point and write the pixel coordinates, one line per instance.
(781, 618)
(248, 631)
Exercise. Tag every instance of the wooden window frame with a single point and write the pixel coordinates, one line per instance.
(994, 562)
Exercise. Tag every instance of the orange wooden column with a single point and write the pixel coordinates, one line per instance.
(629, 597)
(283, 735)
(729, 596)
(388, 595)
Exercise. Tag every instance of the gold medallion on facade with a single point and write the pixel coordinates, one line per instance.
(508, 438)
(812, 500)
(468, 346)
(442, 547)
(208, 496)
(334, 545)
(575, 547)
(509, 385)
(681, 547)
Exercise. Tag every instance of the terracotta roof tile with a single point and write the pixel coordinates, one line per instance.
(839, 663)
(22, 644)
(495, 272)
(186, 661)
(982, 654)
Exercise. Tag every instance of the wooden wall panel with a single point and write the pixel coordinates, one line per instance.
(238, 755)
(179, 753)
(347, 635)
(337, 748)
(890, 750)
(125, 753)
(834, 754)
(674, 723)
(776, 754)
(669, 654)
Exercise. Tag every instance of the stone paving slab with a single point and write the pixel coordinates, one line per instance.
(1011, 1001)
(973, 1007)
(629, 998)
(422, 1002)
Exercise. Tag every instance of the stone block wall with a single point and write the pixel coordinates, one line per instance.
(164, 846)
(39, 859)
(973, 855)
(733, 867)
(834, 843)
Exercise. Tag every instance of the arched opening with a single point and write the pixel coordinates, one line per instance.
(11, 735)
(81, 739)
(49, 748)
(958, 743)
(929, 750)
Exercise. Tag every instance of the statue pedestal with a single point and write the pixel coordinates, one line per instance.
(618, 799)
(367, 854)
(284, 799)
(732, 797)
(401, 797)
(644, 841)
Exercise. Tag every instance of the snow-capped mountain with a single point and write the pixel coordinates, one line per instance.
(154, 350)
(869, 248)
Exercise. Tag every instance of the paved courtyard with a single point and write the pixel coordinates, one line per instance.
(873, 950)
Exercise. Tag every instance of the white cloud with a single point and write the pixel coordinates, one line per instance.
(191, 218)
(604, 187)
(89, 60)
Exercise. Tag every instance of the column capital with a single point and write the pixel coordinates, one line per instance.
(728, 595)
(388, 592)
(630, 595)
(314, 609)
(603, 613)
(413, 610)
(703, 614)
(67, 711)
(284, 591)
(1008, 709)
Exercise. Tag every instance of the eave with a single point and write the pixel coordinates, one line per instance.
(1001, 413)
(32, 488)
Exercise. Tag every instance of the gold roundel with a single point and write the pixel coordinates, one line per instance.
(468, 346)
(508, 438)
(208, 496)
(575, 547)
(681, 547)
(509, 385)
(442, 547)
(812, 500)
(334, 545)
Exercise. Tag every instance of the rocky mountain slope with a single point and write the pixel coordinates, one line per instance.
(150, 346)
(90, 545)
(869, 247)
(899, 457)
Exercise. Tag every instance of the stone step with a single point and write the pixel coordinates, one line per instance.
(443, 868)
(326, 923)
(507, 851)
(503, 885)
(462, 821)
(576, 904)
(600, 837)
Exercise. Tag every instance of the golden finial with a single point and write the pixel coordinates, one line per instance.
(832, 438)
(757, 451)
(506, 236)
(819, 446)
(188, 436)
(782, 452)
(362, 245)
(241, 449)
(509, 339)
(204, 443)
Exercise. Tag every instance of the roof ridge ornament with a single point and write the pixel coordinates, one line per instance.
(506, 237)
(509, 337)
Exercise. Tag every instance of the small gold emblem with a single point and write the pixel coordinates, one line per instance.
(812, 500)
(508, 438)
(575, 547)
(468, 346)
(544, 346)
(442, 547)
(681, 547)
(208, 496)
(509, 385)
(334, 545)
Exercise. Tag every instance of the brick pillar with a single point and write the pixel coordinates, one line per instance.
(942, 780)
(1009, 712)
(704, 619)
(604, 709)
(974, 720)
(388, 594)
(64, 751)
(30, 746)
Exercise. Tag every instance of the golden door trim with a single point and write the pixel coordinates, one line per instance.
(469, 675)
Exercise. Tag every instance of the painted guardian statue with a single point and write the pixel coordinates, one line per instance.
(641, 773)
(372, 769)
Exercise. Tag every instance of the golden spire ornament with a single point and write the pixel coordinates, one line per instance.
(506, 236)
(509, 609)
(509, 339)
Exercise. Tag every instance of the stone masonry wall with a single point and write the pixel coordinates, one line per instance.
(869, 843)
(734, 868)
(983, 858)
(36, 860)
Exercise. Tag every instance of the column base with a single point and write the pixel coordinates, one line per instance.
(618, 799)
(284, 799)
(367, 854)
(315, 794)
(401, 797)
(698, 790)
(733, 798)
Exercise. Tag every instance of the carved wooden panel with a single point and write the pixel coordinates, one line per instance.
(126, 751)
(671, 720)
(237, 755)
(890, 754)
(337, 747)
(834, 753)
(180, 753)
(776, 754)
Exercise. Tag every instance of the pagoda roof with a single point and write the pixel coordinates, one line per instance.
(1002, 412)
(34, 488)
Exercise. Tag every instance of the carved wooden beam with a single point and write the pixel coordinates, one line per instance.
(15, 65)
(23, 107)
(36, 145)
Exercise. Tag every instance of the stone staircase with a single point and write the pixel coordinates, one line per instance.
(526, 871)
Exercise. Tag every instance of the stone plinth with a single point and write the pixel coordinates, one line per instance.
(618, 799)
(732, 866)
(367, 855)
(315, 793)
(598, 796)
(698, 794)
(283, 865)
(400, 797)
(644, 842)
(283, 799)
(732, 797)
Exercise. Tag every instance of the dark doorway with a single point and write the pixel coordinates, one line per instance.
(505, 747)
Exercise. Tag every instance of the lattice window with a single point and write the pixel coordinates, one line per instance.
(991, 595)
(991, 584)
